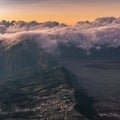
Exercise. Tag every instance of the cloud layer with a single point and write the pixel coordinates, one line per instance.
(85, 35)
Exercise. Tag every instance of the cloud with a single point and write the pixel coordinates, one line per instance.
(2, 29)
(49, 35)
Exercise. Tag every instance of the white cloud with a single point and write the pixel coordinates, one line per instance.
(49, 35)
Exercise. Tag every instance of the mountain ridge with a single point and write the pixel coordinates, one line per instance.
(35, 86)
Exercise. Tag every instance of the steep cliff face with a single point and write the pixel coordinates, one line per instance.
(34, 86)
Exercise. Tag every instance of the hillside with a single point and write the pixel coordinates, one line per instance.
(34, 86)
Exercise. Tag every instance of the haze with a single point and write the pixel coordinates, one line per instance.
(67, 11)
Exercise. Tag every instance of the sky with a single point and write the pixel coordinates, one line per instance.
(63, 11)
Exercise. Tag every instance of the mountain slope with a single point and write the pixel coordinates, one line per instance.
(34, 86)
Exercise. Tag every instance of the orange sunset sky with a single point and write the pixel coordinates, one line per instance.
(67, 11)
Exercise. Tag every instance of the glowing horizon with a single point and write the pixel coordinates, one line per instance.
(64, 11)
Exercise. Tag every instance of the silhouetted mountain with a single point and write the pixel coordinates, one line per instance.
(34, 86)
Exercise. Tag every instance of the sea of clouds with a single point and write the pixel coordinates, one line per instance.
(86, 35)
